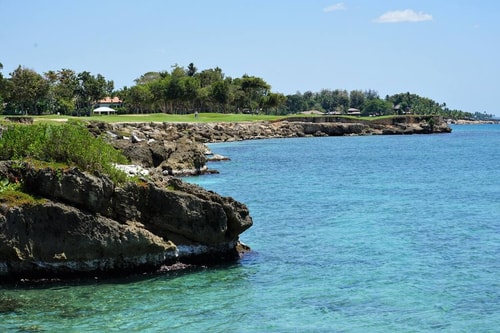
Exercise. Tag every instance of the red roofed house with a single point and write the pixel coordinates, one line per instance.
(110, 102)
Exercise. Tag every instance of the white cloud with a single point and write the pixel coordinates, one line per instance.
(407, 15)
(333, 8)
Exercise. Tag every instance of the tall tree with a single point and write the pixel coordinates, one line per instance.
(66, 90)
(190, 86)
(254, 88)
(327, 100)
(91, 89)
(210, 76)
(341, 98)
(376, 107)
(295, 103)
(220, 93)
(148, 77)
(159, 91)
(138, 98)
(273, 102)
(28, 90)
(356, 99)
(191, 70)
(371, 94)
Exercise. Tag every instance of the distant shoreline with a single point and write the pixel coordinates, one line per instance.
(473, 122)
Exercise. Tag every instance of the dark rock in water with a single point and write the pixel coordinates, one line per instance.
(84, 224)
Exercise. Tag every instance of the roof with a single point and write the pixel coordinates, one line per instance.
(104, 109)
(110, 100)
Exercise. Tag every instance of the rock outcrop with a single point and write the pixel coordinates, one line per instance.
(168, 134)
(178, 148)
(82, 224)
(152, 146)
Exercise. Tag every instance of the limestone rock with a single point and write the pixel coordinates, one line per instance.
(83, 223)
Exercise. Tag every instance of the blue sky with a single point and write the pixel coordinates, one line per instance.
(444, 50)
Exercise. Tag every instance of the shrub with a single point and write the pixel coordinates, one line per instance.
(70, 143)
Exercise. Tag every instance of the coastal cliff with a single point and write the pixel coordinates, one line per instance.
(78, 224)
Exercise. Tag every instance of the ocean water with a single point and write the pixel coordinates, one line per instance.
(351, 234)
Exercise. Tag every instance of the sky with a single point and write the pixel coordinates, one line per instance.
(444, 50)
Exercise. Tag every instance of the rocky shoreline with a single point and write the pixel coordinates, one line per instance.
(289, 128)
(78, 224)
(473, 122)
(178, 149)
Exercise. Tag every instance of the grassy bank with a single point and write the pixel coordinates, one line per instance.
(162, 117)
(190, 118)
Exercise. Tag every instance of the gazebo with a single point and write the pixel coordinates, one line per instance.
(353, 112)
(104, 109)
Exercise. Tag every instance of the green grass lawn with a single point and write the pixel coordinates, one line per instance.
(162, 117)
(187, 118)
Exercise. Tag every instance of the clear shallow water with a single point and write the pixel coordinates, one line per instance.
(351, 234)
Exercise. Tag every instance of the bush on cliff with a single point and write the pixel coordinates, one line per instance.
(70, 143)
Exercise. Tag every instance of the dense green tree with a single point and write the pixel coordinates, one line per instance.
(412, 103)
(356, 99)
(309, 100)
(295, 103)
(63, 86)
(254, 88)
(208, 77)
(341, 98)
(327, 100)
(90, 90)
(220, 93)
(148, 78)
(187, 90)
(158, 89)
(376, 107)
(28, 91)
(138, 98)
(273, 102)
(371, 94)
(190, 86)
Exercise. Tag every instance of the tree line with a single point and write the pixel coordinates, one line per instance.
(187, 90)
(369, 103)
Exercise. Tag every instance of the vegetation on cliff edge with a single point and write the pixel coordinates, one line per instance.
(69, 143)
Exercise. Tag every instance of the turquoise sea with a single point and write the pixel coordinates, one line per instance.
(351, 234)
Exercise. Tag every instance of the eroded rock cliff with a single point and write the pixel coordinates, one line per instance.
(80, 224)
